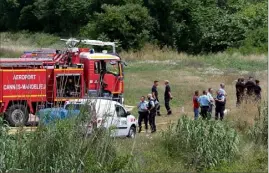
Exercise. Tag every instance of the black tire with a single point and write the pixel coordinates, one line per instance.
(132, 132)
(17, 115)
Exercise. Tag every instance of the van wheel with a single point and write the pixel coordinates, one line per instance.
(132, 132)
(17, 115)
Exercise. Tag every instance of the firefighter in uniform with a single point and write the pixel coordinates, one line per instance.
(152, 113)
(250, 85)
(155, 96)
(240, 88)
(167, 97)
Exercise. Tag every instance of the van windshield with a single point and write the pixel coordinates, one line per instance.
(75, 107)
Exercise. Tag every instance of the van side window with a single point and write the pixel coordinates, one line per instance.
(120, 111)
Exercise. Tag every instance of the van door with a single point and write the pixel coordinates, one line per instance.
(122, 123)
(105, 111)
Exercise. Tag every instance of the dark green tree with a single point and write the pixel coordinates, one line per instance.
(130, 24)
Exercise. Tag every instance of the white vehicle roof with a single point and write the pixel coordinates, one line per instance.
(102, 106)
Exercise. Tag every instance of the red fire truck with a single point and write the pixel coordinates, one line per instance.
(29, 84)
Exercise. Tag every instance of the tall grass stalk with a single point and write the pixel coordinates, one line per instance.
(259, 132)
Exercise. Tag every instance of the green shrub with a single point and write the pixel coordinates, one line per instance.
(202, 144)
(59, 147)
(259, 132)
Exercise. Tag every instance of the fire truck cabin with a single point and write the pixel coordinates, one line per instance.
(103, 74)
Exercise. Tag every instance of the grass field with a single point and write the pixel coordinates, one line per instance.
(186, 74)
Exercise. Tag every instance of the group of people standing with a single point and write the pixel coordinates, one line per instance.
(148, 110)
(249, 90)
(206, 102)
(202, 104)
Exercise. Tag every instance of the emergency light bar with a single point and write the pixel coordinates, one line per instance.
(73, 41)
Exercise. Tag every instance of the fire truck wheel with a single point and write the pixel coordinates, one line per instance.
(17, 115)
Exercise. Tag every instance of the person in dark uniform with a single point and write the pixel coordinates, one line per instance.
(220, 106)
(240, 88)
(167, 97)
(257, 91)
(143, 114)
(152, 113)
(250, 85)
(154, 92)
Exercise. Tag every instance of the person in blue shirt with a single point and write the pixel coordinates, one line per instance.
(143, 113)
(204, 102)
(220, 105)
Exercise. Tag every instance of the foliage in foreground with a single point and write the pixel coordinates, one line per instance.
(60, 147)
(253, 150)
(259, 132)
(202, 144)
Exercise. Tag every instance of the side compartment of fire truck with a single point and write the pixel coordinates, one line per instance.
(26, 89)
(21, 90)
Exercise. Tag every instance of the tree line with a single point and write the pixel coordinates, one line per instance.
(192, 26)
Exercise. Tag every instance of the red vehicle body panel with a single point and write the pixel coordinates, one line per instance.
(22, 85)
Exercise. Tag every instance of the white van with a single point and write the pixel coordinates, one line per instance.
(108, 114)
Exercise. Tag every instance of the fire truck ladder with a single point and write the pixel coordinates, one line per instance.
(20, 62)
(72, 42)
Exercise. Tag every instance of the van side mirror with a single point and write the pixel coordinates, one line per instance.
(128, 113)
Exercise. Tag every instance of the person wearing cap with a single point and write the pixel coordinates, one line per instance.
(152, 113)
(204, 104)
(154, 92)
(167, 97)
(143, 113)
